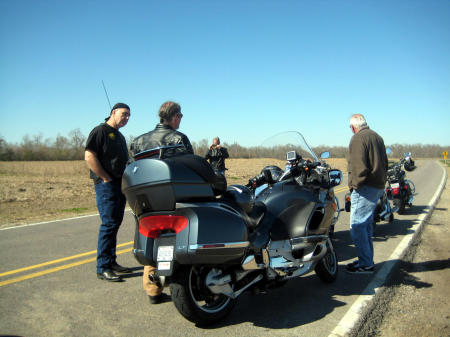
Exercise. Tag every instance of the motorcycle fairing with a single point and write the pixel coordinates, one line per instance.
(295, 212)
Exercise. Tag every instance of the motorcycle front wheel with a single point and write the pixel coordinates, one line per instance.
(194, 300)
(327, 268)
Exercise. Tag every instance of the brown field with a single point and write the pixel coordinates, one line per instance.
(39, 191)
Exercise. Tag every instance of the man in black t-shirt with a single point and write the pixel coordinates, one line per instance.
(106, 155)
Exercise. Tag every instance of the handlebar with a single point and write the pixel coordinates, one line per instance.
(301, 168)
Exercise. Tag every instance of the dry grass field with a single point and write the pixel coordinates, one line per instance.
(39, 191)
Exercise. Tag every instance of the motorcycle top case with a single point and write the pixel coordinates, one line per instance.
(157, 185)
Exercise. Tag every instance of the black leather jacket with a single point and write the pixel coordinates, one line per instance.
(162, 135)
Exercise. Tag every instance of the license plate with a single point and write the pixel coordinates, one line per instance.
(395, 185)
(165, 253)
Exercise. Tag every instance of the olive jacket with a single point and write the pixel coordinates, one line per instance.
(367, 162)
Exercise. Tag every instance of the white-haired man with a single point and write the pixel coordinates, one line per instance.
(367, 167)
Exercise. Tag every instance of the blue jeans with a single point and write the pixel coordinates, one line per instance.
(111, 207)
(363, 203)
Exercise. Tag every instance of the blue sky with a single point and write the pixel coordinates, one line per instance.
(242, 70)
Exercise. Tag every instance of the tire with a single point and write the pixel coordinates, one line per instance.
(391, 217)
(400, 203)
(194, 300)
(412, 187)
(374, 227)
(327, 268)
(331, 232)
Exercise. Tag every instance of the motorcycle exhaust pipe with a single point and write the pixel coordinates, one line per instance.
(160, 281)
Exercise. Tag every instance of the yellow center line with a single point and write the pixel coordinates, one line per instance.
(53, 270)
(57, 261)
(341, 189)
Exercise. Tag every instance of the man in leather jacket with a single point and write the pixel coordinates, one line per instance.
(216, 156)
(165, 133)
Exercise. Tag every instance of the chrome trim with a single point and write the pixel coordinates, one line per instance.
(226, 245)
(308, 239)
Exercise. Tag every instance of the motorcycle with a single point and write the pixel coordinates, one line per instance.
(409, 163)
(212, 244)
(400, 189)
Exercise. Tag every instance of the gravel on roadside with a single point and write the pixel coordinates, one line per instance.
(415, 300)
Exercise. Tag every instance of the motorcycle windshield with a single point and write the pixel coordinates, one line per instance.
(280, 144)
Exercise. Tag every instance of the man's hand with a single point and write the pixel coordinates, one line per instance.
(94, 165)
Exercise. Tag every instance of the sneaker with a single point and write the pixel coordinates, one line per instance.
(354, 269)
(353, 264)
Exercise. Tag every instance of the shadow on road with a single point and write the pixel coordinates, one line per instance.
(137, 271)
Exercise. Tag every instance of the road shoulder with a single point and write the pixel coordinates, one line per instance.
(357, 320)
(414, 301)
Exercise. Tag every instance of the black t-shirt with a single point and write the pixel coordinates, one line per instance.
(111, 149)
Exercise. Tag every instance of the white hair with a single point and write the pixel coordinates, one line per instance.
(358, 121)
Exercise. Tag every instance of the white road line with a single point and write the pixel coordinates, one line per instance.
(349, 320)
(47, 222)
(52, 221)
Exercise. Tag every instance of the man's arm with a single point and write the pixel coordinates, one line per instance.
(358, 169)
(94, 165)
(225, 153)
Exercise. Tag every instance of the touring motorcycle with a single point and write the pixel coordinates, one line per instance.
(211, 243)
(400, 190)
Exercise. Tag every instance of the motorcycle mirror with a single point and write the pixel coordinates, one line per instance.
(325, 155)
(335, 177)
(388, 150)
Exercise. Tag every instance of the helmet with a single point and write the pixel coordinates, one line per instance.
(242, 195)
(275, 171)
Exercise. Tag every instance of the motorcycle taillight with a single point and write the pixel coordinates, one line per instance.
(396, 190)
(153, 226)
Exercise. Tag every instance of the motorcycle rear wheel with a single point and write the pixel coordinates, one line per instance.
(400, 203)
(327, 268)
(412, 187)
(194, 300)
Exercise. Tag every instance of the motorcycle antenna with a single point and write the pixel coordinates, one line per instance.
(106, 93)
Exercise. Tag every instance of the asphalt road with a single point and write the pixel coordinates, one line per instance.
(48, 284)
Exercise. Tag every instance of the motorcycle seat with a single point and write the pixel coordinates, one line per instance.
(252, 218)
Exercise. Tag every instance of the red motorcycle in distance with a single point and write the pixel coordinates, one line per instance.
(401, 190)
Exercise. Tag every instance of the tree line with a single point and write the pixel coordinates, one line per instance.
(34, 148)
